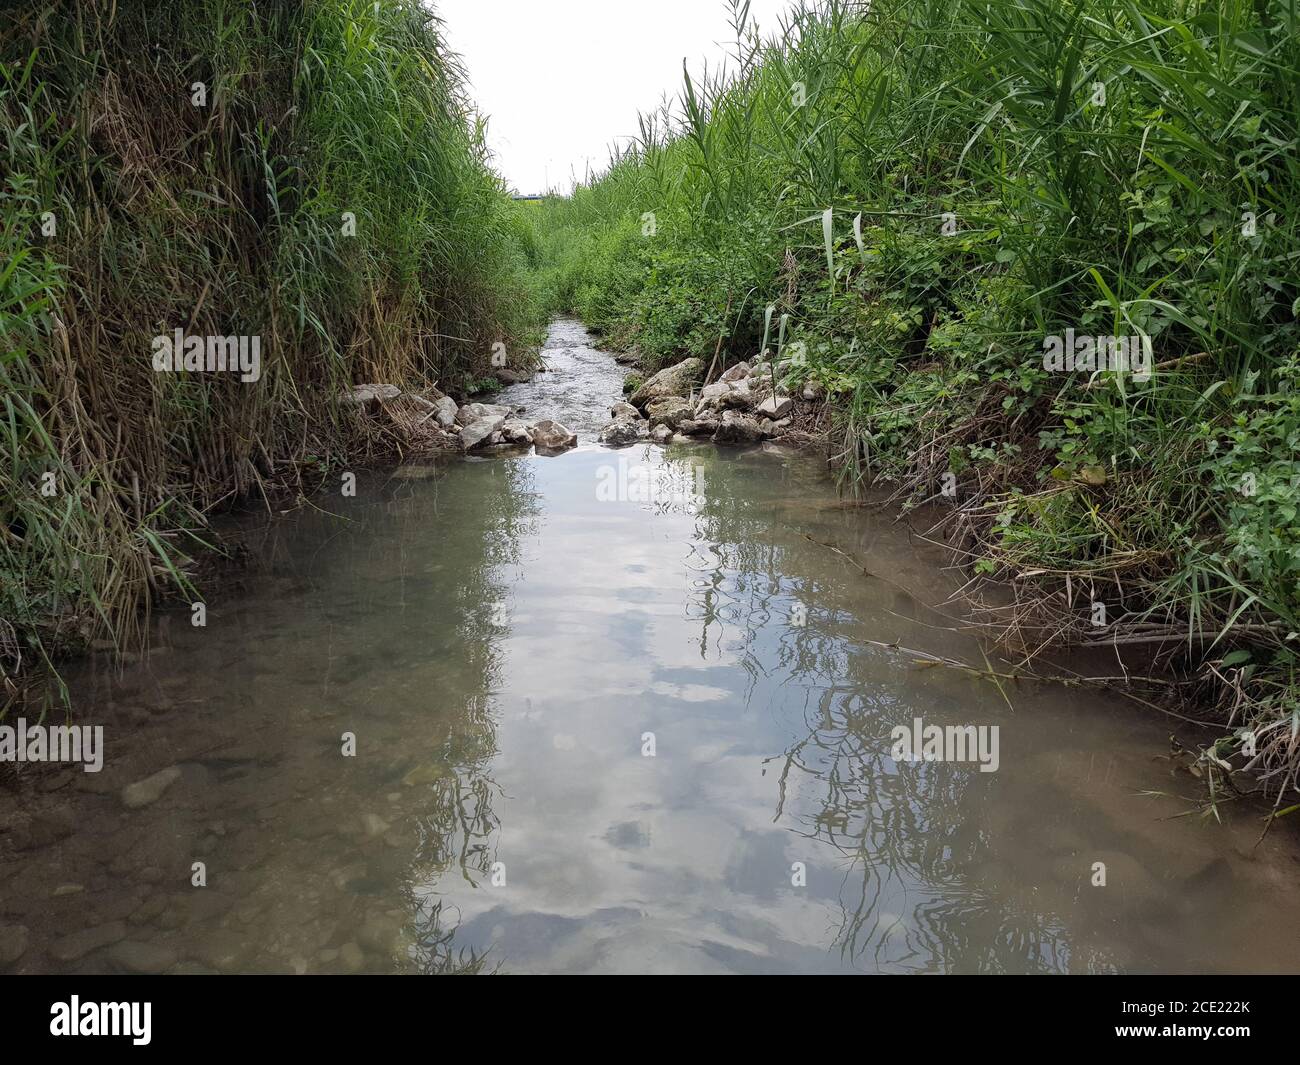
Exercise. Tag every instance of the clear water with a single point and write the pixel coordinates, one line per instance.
(501, 636)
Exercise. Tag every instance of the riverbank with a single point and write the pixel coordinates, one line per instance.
(210, 231)
(1051, 306)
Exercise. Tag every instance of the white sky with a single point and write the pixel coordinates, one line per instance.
(560, 80)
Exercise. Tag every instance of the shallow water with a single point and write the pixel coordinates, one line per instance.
(502, 636)
(580, 384)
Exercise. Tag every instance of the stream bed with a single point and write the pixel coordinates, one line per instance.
(611, 711)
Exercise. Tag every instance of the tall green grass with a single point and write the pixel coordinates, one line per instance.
(1099, 163)
(228, 218)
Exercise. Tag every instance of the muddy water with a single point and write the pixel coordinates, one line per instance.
(613, 712)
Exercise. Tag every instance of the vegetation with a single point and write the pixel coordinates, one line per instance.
(930, 190)
(311, 174)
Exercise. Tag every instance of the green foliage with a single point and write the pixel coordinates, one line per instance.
(997, 173)
(226, 218)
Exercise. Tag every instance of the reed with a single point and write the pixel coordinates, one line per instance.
(930, 189)
(131, 209)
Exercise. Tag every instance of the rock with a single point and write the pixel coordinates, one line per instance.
(740, 397)
(384, 393)
(480, 431)
(623, 410)
(552, 436)
(661, 434)
(813, 391)
(516, 432)
(369, 397)
(136, 957)
(710, 394)
(151, 908)
(698, 426)
(446, 412)
(670, 411)
(13, 943)
(473, 412)
(620, 433)
(726, 395)
(351, 958)
(48, 826)
(77, 945)
(415, 405)
(736, 373)
(775, 407)
(222, 950)
(149, 790)
(374, 825)
(672, 381)
(247, 913)
(737, 428)
(420, 776)
(380, 934)
(192, 968)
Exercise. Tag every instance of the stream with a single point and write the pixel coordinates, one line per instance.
(611, 711)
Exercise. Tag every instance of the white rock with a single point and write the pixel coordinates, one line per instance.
(553, 436)
(621, 433)
(370, 396)
(710, 394)
(480, 431)
(673, 381)
(473, 412)
(774, 407)
(446, 412)
(737, 428)
(150, 789)
(13, 943)
(514, 431)
(726, 395)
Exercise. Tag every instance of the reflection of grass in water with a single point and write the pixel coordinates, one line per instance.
(435, 955)
(914, 831)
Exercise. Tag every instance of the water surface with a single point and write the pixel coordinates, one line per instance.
(505, 638)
